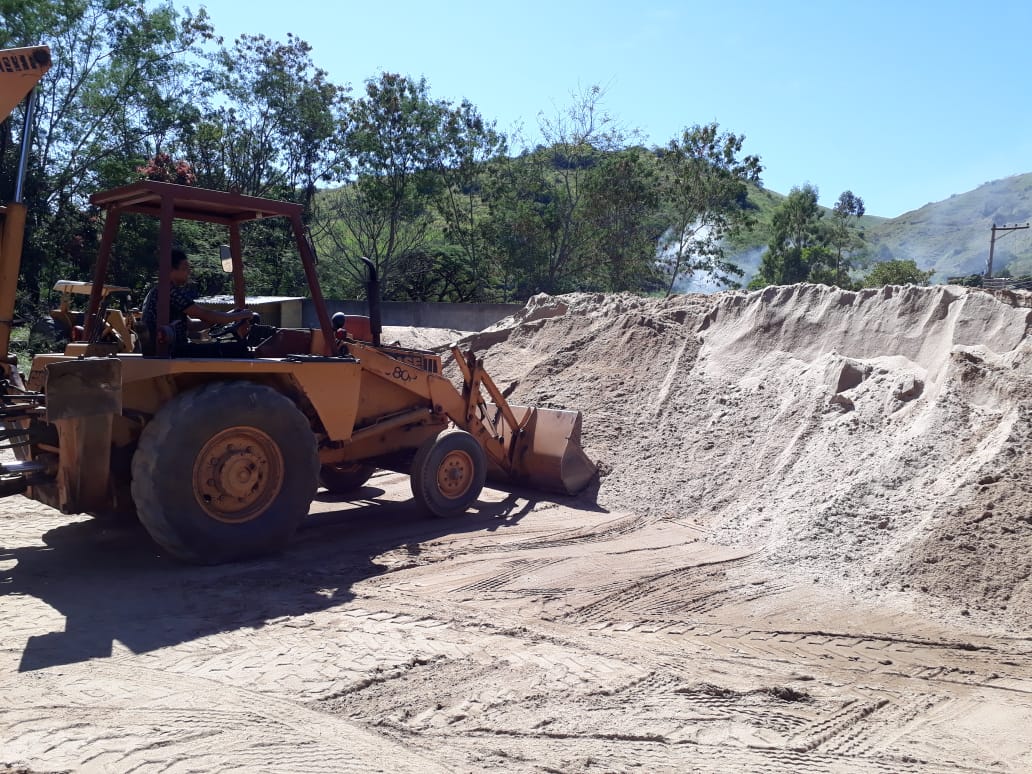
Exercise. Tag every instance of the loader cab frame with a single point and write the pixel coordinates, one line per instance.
(168, 202)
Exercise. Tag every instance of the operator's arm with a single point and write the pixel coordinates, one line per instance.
(214, 317)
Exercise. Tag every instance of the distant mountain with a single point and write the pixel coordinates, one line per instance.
(951, 237)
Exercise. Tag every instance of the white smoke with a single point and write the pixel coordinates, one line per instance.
(704, 281)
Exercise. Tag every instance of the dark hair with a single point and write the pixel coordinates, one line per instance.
(178, 256)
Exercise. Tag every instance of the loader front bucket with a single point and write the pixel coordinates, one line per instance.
(548, 454)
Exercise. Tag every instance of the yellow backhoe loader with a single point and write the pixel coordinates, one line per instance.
(66, 323)
(219, 447)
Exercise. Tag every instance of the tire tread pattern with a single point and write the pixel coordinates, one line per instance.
(423, 475)
(158, 439)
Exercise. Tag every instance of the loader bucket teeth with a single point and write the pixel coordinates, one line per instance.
(548, 454)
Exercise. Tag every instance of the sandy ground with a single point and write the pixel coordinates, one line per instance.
(808, 551)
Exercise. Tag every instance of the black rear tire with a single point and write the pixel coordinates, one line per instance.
(448, 473)
(225, 471)
(346, 477)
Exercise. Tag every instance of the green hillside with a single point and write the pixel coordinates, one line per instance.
(952, 236)
(747, 248)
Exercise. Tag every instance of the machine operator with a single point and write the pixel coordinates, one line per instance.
(184, 313)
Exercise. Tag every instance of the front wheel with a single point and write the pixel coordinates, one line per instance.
(448, 472)
(225, 471)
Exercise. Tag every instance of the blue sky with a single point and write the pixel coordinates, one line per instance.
(904, 103)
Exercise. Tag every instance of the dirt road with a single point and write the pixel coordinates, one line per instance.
(808, 552)
(533, 635)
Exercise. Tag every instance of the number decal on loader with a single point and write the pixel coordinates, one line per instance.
(402, 375)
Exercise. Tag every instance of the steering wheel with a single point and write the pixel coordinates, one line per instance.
(238, 329)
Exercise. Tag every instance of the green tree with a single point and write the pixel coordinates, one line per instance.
(470, 143)
(705, 185)
(539, 222)
(120, 79)
(622, 211)
(521, 223)
(273, 124)
(795, 228)
(396, 147)
(896, 272)
(438, 273)
(825, 267)
(845, 237)
(577, 138)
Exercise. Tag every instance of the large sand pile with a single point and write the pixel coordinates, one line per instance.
(876, 440)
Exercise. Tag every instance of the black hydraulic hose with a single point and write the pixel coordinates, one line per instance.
(23, 158)
(41, 57)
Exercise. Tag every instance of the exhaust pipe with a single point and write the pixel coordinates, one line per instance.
(373, 298)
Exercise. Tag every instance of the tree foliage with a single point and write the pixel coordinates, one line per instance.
(583, 211)
(413, 165)
(119, 81)
(622, 199)
(845, 237)
(795, 228)
(426, 188)
(896, 272)
(706, 184)
(804, 246)
(470, 142)
(271, 123)
(538, 206)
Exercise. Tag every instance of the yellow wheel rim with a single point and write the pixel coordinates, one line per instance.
(238, 474)
(455, 475)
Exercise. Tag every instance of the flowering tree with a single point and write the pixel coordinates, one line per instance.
(162, 168)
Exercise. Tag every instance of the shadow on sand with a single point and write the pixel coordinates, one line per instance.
(115, 584)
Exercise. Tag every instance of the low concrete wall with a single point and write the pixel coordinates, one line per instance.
(460, 317)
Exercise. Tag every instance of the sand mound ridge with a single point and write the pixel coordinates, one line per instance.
(875, 439)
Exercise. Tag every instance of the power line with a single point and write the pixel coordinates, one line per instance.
(992, 245)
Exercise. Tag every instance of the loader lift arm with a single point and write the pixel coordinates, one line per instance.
(478, 413)
(537, 447)
(531, 445)
(20, 71)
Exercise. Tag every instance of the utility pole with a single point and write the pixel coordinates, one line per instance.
(992, 245)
